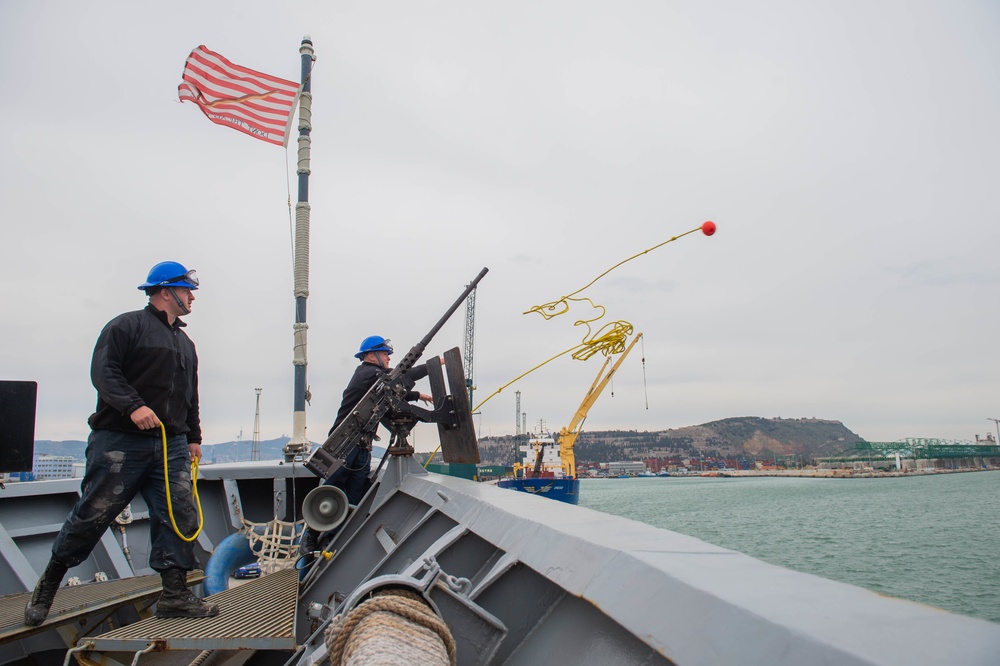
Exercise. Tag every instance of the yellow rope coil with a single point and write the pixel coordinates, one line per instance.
(392, 628)
(609, 339)
(194, 491)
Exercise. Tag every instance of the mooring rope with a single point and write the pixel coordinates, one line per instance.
(393, 628)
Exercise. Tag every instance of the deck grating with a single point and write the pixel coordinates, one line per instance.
(75, 602)
(256, 615)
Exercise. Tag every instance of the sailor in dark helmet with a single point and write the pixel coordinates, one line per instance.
(145, 370)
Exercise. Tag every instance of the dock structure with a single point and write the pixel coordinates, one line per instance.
(983, 453)
(928, 448)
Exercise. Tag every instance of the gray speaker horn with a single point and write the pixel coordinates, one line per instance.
(324, 508)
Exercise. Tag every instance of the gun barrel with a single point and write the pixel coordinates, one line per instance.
(414, 354)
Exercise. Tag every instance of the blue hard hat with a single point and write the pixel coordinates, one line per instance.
(373, 343)
(170, 274)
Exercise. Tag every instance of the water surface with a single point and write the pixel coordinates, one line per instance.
(933, 539)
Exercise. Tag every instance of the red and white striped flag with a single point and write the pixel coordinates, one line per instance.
(254, 103)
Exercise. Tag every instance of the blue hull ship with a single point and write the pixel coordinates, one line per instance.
(564, 490)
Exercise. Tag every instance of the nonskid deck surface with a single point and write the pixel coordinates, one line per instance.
(78, 601)
(256, 615)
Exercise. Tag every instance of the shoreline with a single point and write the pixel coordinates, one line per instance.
(841, 473)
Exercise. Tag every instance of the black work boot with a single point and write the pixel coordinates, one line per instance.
(177, 600)
(45, 591)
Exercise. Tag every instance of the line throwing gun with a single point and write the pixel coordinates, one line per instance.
(385, 402)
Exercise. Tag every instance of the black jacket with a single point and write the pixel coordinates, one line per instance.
(140, 360)
(364, 378)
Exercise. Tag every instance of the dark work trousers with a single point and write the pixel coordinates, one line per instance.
(120, 465)
(352, 476)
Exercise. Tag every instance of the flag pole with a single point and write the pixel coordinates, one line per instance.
(299, 443)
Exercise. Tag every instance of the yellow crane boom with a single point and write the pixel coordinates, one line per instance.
(568, 435)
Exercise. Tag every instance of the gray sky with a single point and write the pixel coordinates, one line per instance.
(847, 151)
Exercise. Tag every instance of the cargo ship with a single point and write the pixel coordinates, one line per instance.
(548, 468)
(542, 472)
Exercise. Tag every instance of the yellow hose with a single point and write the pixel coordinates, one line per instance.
(194, 488)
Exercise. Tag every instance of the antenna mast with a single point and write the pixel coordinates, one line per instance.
(299, 443)
(517, 414)
(470, 340)
(255, 444)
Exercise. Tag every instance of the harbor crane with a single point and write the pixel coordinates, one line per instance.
(470, 340)
(569, 433)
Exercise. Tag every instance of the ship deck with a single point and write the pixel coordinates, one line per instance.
(90, 604)
(258, 614)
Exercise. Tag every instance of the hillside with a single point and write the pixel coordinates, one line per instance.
(750, 436)
(224, 452)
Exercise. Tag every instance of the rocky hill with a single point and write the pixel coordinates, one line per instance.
(224, 452)
(749, 436)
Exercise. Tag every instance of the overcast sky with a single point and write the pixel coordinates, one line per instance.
(849, 153)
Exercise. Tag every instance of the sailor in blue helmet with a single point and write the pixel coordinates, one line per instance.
(145, 370)
(353, 476)
(374, 353)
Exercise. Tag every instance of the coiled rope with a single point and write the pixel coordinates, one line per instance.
(194, 491)
(393, 628)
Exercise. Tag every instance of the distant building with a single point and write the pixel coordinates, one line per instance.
(626, 467)
(52, 467)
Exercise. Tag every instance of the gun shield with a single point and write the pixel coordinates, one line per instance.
(456, 433)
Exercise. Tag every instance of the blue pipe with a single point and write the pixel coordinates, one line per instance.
(233, 553)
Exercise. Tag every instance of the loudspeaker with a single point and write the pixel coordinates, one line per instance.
(324, 508)
(17, 425)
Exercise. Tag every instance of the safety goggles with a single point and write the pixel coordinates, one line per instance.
(387, 347)
(190, 277)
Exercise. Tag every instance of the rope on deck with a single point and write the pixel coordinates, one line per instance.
(393, 628)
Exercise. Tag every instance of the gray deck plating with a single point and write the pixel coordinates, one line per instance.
(255, 615)
(74, 603)
(579, 586)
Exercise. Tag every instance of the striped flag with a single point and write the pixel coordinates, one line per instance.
(254, 103)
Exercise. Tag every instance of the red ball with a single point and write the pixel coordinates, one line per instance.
(708, 228)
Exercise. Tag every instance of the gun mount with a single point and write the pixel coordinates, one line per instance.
(385, 403)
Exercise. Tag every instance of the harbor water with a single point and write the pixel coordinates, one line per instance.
(934, 539)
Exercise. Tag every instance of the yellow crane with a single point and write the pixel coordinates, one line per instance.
(568, 435)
